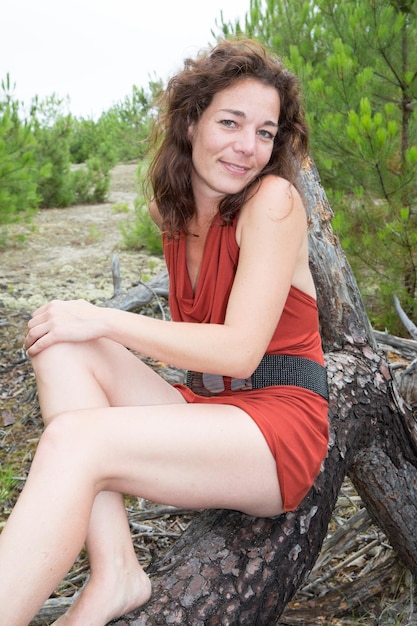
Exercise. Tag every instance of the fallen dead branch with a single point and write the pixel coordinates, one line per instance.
(355, 569)
(407, 347)
(140, 295)
(408, 324)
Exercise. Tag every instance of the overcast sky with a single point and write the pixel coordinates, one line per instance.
(94, 51)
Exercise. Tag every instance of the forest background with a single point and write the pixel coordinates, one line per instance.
(357, 64)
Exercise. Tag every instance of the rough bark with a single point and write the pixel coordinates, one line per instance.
(381, 448)
(230, 569)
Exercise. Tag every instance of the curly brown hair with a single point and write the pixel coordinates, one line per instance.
(187, 96)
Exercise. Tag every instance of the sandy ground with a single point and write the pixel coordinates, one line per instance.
(68, 252)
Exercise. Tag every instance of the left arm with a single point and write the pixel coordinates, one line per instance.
(272, 238)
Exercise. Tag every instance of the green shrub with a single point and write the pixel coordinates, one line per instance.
(18, 165)
(91, 183)
(141, 233)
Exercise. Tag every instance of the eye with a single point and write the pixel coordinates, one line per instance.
(228, 123)
(266, 134)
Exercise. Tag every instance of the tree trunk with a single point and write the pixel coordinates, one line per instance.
(231, 569)
(374, 428)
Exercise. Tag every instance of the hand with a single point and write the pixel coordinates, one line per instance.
(62, 321)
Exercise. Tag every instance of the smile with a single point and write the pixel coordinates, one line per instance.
(232, 167)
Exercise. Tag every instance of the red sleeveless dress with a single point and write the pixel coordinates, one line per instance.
(292, 419)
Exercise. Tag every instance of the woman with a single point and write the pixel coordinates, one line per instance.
(249, 432)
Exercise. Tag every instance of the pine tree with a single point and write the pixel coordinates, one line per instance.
(357, 63)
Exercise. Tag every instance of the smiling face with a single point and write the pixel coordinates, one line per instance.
(233, 140)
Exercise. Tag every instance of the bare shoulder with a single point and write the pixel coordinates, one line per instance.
(155, 214)
(275, 199)
(272, 230)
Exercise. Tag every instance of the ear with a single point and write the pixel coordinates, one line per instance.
(191, 130)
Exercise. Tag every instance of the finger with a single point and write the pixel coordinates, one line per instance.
(48, 306)
(36, 320)
(34, 349)
(40, 310)
(45, 341)
(35, 333)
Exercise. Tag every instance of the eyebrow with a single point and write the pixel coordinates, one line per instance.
(239, 113)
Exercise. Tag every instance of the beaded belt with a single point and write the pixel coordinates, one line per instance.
(274, 369)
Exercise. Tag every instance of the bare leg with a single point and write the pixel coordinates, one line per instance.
(114, 569)
(158, 452)
(161, 453)
(65, 382)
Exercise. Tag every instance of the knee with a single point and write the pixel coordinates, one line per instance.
(65, 356)
(52, 357)
(67, 435)
(64, 452)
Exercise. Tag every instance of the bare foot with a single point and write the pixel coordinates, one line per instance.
(103, 600)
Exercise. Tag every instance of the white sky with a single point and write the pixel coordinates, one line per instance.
(94, 51)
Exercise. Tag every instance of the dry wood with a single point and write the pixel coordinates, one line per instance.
(407, 323)
(137, 297)
(407, 347)
(51, 610)
(345, 598)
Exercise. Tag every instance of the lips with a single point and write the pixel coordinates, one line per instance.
(234, 168)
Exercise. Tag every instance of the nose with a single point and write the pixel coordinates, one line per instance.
(245, 142)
